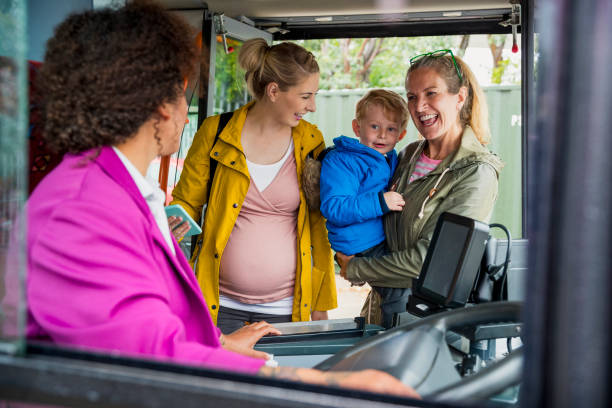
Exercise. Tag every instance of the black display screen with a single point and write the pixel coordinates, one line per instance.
(446, 258)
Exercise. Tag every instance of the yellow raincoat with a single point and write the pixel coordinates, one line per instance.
(315, 287)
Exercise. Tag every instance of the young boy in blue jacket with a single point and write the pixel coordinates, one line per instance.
(355, 175)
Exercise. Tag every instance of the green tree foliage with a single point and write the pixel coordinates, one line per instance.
(382, 62)
(390, 68)
(230, 87)
(499, 70)
(369, 62)
(359, 63)
(496, 45)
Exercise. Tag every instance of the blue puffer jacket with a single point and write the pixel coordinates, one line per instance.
(353, 179)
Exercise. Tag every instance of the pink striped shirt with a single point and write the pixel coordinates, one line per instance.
(423, 167)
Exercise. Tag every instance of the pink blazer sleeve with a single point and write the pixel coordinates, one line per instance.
(98, 280)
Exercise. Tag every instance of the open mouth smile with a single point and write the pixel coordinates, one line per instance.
(428, 120)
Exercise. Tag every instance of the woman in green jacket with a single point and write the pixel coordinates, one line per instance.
(448, 170)
(264, 255)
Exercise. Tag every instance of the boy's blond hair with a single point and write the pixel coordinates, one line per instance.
(390, 101)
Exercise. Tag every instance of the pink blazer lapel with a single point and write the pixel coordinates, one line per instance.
(112, 165)
(179, 262)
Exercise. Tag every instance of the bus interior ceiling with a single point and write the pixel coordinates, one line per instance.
(291, 20)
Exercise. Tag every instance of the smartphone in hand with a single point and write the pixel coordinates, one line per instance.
(178, 211)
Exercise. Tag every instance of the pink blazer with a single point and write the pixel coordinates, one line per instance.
(101, 275)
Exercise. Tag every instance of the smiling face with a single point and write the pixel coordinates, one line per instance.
(293, 103)
(434, 111)
(378, 129)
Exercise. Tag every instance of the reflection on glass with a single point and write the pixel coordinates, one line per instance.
(12, 175)
(230, 86)
(349, 67)
(230, 93)
(177, 159)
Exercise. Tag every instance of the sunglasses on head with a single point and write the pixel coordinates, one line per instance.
(435, 54)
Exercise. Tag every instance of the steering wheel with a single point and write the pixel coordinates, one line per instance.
(419, 356)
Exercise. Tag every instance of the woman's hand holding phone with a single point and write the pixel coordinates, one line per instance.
(178, 227)
(180, 222)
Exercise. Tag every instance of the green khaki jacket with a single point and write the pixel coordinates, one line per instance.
(315, 287)
(465, 183)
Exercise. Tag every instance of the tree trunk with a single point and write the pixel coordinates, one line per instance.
(465, 41)
(496, 50)
(346, 58)
(371, 47)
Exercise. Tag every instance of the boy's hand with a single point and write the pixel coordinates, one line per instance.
(394, 200)
(343, 261)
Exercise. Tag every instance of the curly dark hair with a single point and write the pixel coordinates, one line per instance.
(106, 72)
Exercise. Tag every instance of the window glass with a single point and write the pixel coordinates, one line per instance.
(13, 188)
(230, 87)
(230, 93)
(349, 67)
